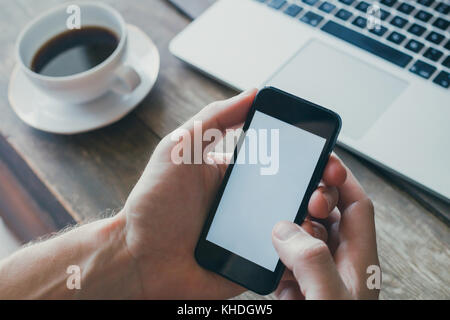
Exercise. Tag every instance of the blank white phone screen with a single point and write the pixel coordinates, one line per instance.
(252, 203)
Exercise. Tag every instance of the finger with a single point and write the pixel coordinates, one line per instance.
(331, 224)
(315, 229)
(335, 172)
(350, 190)
(320, 232)
(289, 290)
(222, 160)
(224, 114)
(287, 275)
(307, 226)
(323, 201)
(357, 223)
(221, 157)
(333, 218)
(357, 235)
(310, 261)
(191, 142)
(357, 232)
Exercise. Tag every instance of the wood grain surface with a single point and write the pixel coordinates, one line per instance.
(27, 207)
(93, 173)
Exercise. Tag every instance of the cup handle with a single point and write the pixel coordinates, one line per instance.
(126, 80)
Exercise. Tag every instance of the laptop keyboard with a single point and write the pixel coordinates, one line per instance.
(410, 34)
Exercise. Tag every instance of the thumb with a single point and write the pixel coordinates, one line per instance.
(310, 261)
(222, 160)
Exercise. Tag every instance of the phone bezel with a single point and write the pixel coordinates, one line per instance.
(298, 112)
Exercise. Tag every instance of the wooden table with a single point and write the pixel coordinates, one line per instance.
(94, 172)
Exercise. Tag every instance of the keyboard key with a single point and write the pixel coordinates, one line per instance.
(446, 62)
(378, 30)
(311, 18)
(343, 14)
(422, 69)
(405, 8)
(384, 14)
(293, 10)
(310, 2)
(396, 37)
(276, 4)
(371, 45)
(435, 37)
(426, 3)
(388, 3)
(447, 45)
(443, 79)
(423, 16)
(399, 21)
(433, 54)
(414, 45)
(442, 8)
(441, 23)
(362, 6)
(416, 29)
(347, 2)
(360, 22)
(327, 7)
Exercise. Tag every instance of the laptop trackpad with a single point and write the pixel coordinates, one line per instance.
(357, 91)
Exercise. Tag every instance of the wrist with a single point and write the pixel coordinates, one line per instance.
(111, 272)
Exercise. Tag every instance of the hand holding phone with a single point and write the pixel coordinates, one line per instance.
(258, 190)
(345, 264)
(167, 208)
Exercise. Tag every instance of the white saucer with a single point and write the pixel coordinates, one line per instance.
(45, 113)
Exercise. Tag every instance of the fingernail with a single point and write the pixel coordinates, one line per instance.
(285, 230)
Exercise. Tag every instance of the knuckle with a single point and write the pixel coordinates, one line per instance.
(315, 251)
(363, 206)
(214, 105)
(168, 138)
(166, 141)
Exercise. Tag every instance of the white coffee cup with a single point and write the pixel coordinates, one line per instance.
(111, 74)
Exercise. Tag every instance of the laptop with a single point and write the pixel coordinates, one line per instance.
(383, 66)
(192, 8)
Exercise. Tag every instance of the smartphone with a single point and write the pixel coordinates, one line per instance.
(277, 164)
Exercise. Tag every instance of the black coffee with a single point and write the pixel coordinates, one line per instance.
(74, 51)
